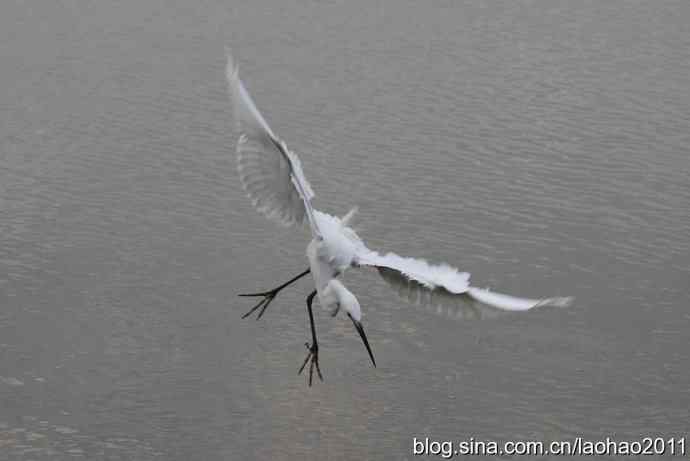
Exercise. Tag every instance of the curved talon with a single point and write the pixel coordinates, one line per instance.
(263, 304)
(269, 296)
(313, 359)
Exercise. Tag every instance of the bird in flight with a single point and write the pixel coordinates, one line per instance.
(273, 178)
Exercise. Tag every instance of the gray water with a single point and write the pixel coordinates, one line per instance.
(541, 145)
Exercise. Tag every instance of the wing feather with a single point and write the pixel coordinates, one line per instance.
(446, 290)
(270, 173)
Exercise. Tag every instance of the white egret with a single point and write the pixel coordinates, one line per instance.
(272, 176)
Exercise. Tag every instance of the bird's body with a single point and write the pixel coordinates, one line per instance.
(339, 243)
(329, 256)
(273, 178)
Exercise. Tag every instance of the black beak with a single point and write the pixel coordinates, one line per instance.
(360, 330)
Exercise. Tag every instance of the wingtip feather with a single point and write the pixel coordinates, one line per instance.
(562, 302)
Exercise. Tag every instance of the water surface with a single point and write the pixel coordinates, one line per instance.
(540, 145)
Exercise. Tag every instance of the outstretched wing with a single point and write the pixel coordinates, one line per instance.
(271, 174)
(444, 288)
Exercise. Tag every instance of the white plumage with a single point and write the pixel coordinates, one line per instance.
(270, 173)
(273, 178)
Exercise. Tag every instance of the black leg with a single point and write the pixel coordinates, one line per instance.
(314, 348)
(269, 295)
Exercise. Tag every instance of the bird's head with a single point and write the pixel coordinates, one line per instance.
(345, 299)
(348, 302)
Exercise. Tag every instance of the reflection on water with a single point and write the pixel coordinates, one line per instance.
(541, 146)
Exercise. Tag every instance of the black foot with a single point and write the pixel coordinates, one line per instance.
(263, 304)
(269, 296)
(313, 358)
